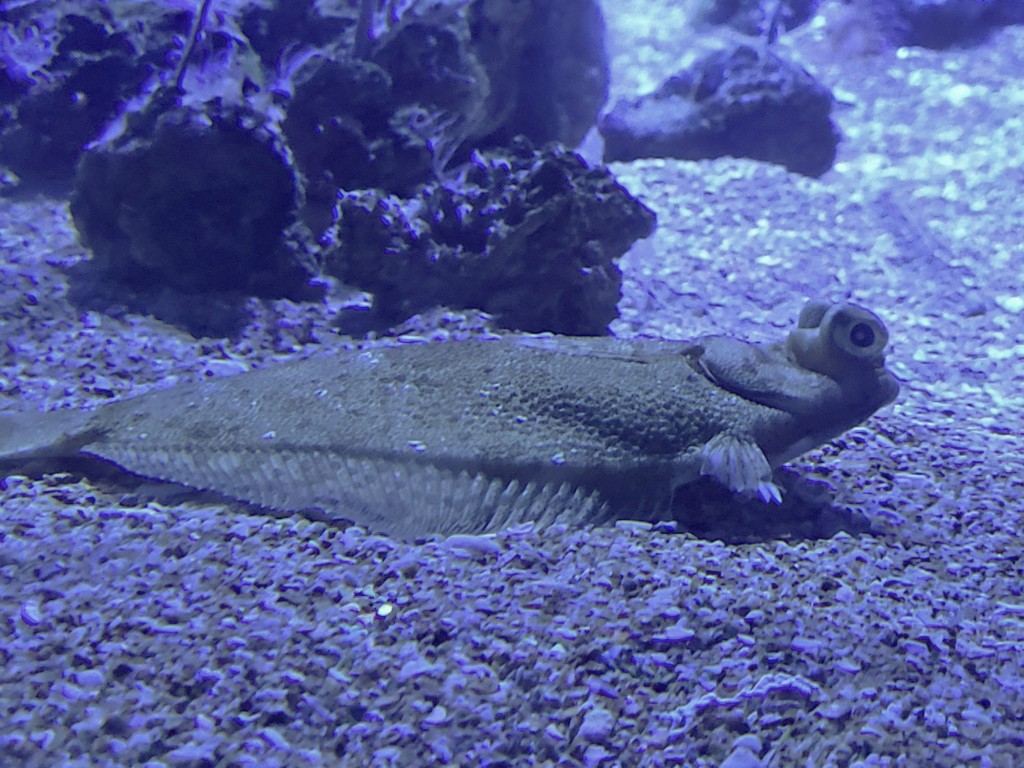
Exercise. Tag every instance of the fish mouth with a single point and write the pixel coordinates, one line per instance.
(864, 395)
(887, 386)
(875, 391)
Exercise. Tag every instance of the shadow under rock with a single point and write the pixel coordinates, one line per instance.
(221, 314)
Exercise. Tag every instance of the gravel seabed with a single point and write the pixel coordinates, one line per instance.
(184, 632)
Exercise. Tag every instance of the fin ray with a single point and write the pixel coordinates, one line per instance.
(407, 499)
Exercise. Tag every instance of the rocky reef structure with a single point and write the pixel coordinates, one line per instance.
(744, 101)
(192, 201)
(745, 98)
(530, 236)
(756, 17)
(225, 159)
(925, 23)
(65, 70)
(504, 67)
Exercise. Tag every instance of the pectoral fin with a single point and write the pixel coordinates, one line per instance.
(740, 466)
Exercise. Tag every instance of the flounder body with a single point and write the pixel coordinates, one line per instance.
(475, 435)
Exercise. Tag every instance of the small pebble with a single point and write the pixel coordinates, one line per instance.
(273, 737)
(742, 757)
(437, 716)
(473, 545)
(31, 613)
(597, 725)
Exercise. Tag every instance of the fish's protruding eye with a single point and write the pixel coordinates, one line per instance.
(837, 339)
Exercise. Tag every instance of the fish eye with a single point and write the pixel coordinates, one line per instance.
(855, 332)
(835, 339)
(862, 335)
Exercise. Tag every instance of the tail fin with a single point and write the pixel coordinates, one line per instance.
(37, 435)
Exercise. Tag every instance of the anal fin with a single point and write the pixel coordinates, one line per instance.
(406, 499)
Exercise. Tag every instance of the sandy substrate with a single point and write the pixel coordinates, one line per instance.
(185, 632)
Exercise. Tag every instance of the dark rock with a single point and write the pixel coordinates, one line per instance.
(194, 199)
(1007, 12)
(433, 85)
(273, 28)
(754, 17)
(547, 67)
(944, 23)
(227, 152)
(390, 123)
(875, 25)
(461, 74)
(743, 102)
(63, 75)
(528, 236)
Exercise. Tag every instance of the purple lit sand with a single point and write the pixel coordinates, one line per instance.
(185, 632)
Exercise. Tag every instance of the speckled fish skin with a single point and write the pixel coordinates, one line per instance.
(630, 420)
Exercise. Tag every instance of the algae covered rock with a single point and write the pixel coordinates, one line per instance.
(190, 201)
(743, 101)
(215, 178)
(530, 236)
